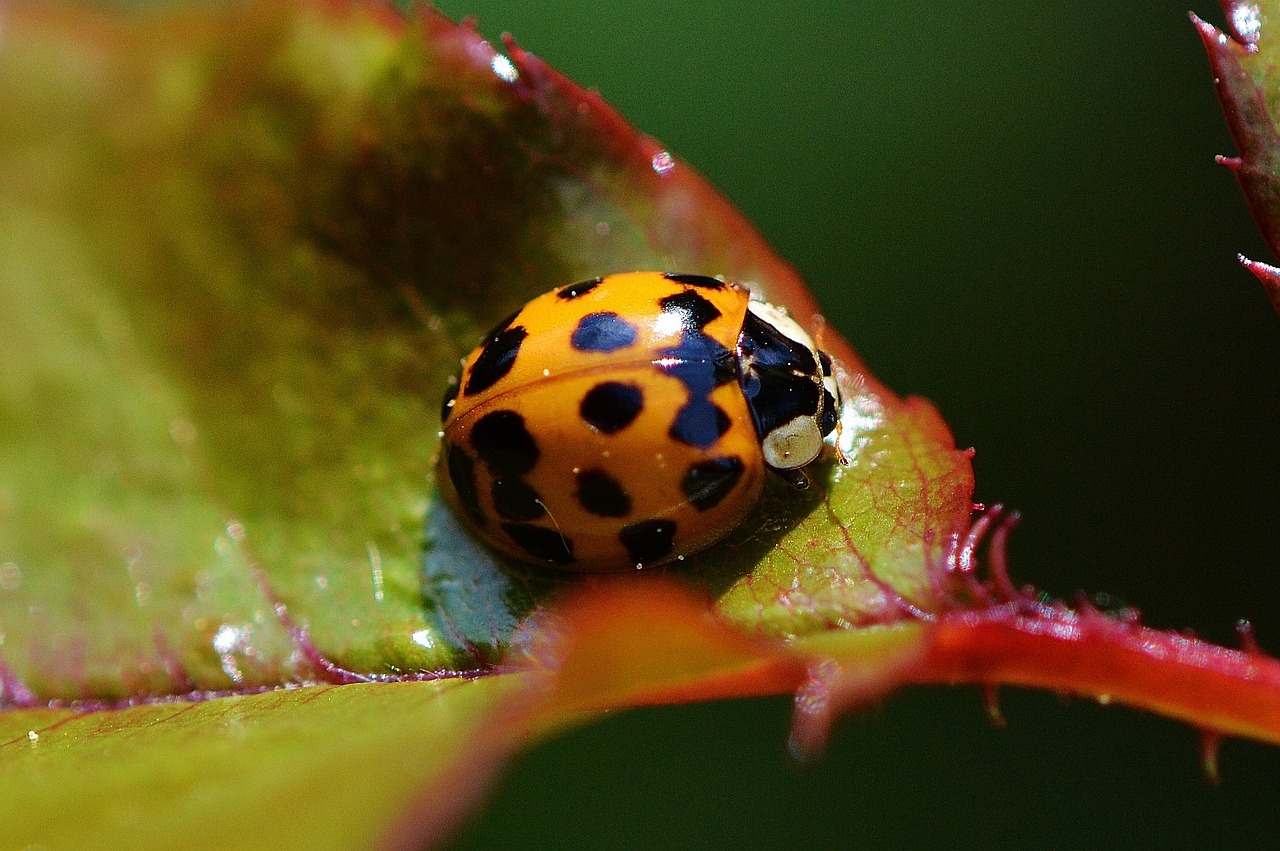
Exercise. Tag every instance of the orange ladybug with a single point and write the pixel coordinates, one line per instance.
(628, 420)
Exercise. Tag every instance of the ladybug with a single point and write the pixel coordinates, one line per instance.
(628, 420)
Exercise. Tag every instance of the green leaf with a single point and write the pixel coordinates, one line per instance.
(262, 247)
(242, 250)
(324, 766)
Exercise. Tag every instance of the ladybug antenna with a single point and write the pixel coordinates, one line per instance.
(552, 517)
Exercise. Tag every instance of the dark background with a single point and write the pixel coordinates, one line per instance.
(1011, 210)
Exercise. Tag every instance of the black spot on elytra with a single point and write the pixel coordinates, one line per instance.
(827, 421)
(515, 499)
(709, 482)
(503, 443)
(602, 494)
(450, 394)
(462, 473)
(695, 280)
(603, 332)
(496, 358)
(579, 289)
(649, 540)
(701, 364)
(543, 544)
(699, 361)
(611, 406)
(699, 423)
(694, 310)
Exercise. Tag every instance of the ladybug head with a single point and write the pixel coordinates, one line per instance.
(790, 390)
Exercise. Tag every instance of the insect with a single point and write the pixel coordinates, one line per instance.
(628, 420)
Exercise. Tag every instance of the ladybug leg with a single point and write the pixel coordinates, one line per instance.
(795, 477)
(829, 372)
(843, 459)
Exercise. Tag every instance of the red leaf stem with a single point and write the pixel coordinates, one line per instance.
(1234, 692)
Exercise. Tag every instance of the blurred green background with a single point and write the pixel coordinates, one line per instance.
(1013, 210)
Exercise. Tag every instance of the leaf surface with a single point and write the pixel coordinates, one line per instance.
(263, 248)
(322, 766)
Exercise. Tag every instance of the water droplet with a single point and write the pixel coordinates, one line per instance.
(32, 735)
(663, 162)
(506, 71)
(227, 638)
(1246, 20)
(424, 638)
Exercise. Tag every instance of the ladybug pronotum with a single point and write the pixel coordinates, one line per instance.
(628, 420)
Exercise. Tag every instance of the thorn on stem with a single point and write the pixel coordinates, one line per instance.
(1248, 640)
(1210, 744)
(813, 713)
(991, 699)
(966, 561)
(997, 557)
(1267, 275)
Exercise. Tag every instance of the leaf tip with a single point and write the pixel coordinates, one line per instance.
(1209, 34)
